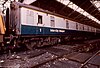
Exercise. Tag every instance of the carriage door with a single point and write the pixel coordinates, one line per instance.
(40, 25)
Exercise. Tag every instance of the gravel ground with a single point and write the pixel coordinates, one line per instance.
(62, 56)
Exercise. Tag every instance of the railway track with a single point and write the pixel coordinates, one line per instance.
(87, 61)
(61, 56)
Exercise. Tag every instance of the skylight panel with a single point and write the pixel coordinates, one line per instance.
(28, 1)
(96, 3)
(80, 10)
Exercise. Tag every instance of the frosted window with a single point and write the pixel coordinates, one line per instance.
(52, 21)
(30, 17)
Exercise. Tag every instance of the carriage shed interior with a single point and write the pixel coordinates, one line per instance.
(59, 8)
(32, 41)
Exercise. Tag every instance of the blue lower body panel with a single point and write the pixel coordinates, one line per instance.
(36, 30)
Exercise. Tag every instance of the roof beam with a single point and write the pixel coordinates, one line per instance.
(88, 7)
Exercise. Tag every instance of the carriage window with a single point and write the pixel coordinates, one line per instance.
(91, 28)
(83, 27)
(67, 24)
(88, 28)
(76, 25)
(39, 19)
(52, 21)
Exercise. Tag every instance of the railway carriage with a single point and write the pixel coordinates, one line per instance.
(37, 27)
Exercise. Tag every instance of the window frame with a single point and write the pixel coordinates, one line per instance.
(67, 24)
(77, 26)
(40, 17)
